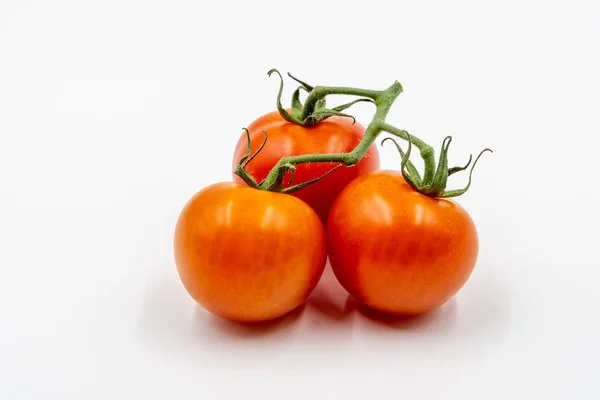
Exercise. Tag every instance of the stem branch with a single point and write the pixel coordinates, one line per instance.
(383, 100)
(319, 92)
(427, 152)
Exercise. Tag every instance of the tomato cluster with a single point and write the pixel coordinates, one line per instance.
(249, 252)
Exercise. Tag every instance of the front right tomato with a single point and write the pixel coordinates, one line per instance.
(396, 250)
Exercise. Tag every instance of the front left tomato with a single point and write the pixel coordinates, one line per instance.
(248, 255)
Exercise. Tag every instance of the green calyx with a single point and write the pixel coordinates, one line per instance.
(273, 185)
(314, 110)
(435, 175)
(433, 185)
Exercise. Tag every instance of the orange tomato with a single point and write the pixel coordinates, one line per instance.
(333, 135)
(396, 250)
(248, 255)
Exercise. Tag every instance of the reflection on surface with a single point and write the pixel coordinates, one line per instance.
(235, 330)
(382, 210)
(442, 318)
(330, 322)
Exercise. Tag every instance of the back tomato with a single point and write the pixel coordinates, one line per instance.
(248, 255)
(333, 135)
(397, 250)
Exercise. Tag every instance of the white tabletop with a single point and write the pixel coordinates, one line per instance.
(114, 113)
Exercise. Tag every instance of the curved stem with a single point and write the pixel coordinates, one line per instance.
(434, 179)
(454, 170)
(427, 152)
(305, 85)
(282, 111)
(440, 178)
(413, 175)
(458, 192)
(295, 188)
(383, 99)
(240, 170)
(319, 92)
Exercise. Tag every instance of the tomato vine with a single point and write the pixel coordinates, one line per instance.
(314, 110)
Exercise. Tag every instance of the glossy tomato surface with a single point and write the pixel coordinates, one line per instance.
(333, 135)
(248, 255)
(396, 250)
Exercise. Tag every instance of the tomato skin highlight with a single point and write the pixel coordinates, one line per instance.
(333, 135)
(396, 250)
(248, 255)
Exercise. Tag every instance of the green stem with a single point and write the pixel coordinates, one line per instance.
(319, 92)
(383, 99)
(427, 152)
(314, 111)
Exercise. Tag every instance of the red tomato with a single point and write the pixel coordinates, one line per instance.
(396, 250)
(246, 254)
(333, 135)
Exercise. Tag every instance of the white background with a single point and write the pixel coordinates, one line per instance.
(114, 113)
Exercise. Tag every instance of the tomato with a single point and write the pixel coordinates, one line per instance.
(248, 255)
(396, 250)
(333, 135)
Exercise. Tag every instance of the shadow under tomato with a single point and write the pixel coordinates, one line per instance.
(329, 298)
(235, 330)
(333, 301)
(443, 317)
